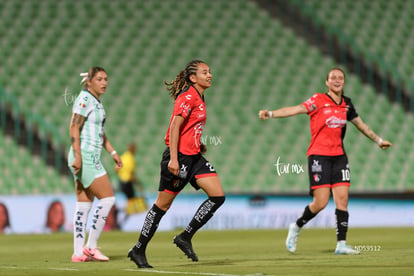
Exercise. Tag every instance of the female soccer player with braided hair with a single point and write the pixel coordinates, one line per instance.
(327, 160)
(182, 162)
(88, 137)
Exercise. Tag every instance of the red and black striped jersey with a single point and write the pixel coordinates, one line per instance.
(328, 123)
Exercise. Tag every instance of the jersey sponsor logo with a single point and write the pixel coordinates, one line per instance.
(316, 167)
(198, 131)
(188, 97)
(183, 171)
(335, 122)
(201, 106)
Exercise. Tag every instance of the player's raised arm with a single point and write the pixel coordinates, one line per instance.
(282, 112)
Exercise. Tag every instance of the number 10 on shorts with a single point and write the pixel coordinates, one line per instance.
(346, 175)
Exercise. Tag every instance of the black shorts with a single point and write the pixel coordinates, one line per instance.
(328, 171)
(192, 167)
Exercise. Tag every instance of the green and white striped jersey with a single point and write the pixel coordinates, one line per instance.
(92, 132)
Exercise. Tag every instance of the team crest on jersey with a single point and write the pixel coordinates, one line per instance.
(83, 102)
(176, 183)
(316, 177)
(311, 104)
(185, 108)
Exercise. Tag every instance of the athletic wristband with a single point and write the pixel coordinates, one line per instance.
(113, 152)
(270, 114)
(379, 141)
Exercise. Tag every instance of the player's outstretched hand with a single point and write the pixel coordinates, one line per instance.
(385, 144)
(264, 114)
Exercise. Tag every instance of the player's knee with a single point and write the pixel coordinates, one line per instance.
(318, 206)
(218, 201)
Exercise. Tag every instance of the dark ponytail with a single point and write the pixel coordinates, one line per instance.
(182, 80)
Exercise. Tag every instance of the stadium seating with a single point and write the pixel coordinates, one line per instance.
(256, 63)
(23, 173)
(380, 30)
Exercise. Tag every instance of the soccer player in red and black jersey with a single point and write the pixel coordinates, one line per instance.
(327, 160)
(182, 162)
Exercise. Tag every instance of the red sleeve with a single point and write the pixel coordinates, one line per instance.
(311, 103)
(183, 105)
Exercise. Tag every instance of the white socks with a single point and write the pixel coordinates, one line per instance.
(79, 226)
(98, 220)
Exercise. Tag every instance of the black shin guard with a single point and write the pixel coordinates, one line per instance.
(203, 214)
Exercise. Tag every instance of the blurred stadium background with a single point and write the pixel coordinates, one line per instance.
(263, 54)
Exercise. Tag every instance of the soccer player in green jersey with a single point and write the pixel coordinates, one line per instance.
(87, 138)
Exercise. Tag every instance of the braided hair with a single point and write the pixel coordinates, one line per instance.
(182, 80)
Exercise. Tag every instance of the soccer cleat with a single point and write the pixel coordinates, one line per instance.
(95, 254)
(292, 237)
(186, 247)
(80, 259)
(343, 249)
(139, 259)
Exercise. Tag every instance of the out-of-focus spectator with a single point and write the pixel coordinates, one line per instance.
(5, 227)
(55, 220)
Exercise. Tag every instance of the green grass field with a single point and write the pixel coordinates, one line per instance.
(388, 251)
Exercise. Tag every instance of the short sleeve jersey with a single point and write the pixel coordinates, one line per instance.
(92, 132)
(328, 123)
(191, 106)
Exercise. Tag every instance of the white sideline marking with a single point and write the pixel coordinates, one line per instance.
(10, 267)
(181, 272)
(64, 269)
(192, 273)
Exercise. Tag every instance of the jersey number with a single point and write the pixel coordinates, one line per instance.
(346, 176)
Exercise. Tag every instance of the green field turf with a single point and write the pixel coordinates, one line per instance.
(389, 251)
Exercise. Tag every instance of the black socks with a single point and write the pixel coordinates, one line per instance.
(203, 214)
(151, 222)
(306, 216)
(342, 218)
